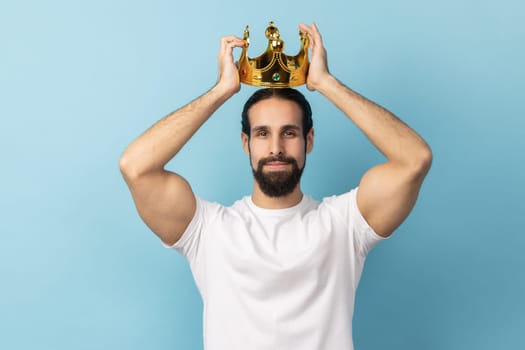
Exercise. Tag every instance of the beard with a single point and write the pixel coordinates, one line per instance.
(277, 183)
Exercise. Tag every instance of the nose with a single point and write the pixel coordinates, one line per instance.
(276, 146)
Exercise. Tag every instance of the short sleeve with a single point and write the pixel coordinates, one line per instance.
(364, 237)
(191, 240)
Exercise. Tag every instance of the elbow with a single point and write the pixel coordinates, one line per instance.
(422, 162)
(127, 169)
(133, 170)
(417, 163)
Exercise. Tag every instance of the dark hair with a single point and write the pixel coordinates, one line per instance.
(285, 94)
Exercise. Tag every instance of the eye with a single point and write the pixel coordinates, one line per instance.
(289, 133)
(261, 133)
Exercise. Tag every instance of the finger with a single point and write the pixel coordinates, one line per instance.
(313, 34)
(316, 29)
(304, 28)
(229, 38)
(229, 42)
(316, 35)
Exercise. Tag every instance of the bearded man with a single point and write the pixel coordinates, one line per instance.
(277, 269)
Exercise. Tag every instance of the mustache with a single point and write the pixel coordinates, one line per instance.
(278, 158)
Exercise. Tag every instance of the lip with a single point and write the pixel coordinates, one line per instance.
(276, 165)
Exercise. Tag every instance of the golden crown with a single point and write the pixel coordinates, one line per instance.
(273, 68)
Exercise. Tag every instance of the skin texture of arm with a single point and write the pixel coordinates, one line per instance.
(388, 191)
(164, 199)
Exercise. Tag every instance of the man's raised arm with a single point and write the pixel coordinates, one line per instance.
(164, 199)
(388, 191)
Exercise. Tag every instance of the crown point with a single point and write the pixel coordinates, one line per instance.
(272, 33)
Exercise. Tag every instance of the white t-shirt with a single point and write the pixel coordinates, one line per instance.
(278, 279)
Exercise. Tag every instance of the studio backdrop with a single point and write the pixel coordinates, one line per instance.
(79, 80)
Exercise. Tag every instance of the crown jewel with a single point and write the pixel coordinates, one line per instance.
(274, 68)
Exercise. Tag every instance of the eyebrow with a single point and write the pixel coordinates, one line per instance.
(284, 127)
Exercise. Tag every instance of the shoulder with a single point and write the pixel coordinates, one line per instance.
(206, 214)
(345, 204)
(345, 208)
(206, 207)
(213, 211)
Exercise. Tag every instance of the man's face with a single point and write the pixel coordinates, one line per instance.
(276, 145)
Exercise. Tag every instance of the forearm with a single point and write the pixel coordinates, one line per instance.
(393, 138)
(159, 144)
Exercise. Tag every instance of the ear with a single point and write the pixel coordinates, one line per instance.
(245, 143)
(310, 141)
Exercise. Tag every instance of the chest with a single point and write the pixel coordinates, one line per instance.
(265, 255)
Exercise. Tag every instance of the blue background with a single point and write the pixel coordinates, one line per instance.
(79, 80)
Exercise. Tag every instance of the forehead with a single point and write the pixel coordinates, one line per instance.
(275, 112)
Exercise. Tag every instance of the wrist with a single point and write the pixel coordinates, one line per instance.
(224, 91)
(326, 84)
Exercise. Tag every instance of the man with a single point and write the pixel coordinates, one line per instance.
(277, 270)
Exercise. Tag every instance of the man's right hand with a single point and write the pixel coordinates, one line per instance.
(228, 71)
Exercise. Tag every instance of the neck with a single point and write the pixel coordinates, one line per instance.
(263, 201)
